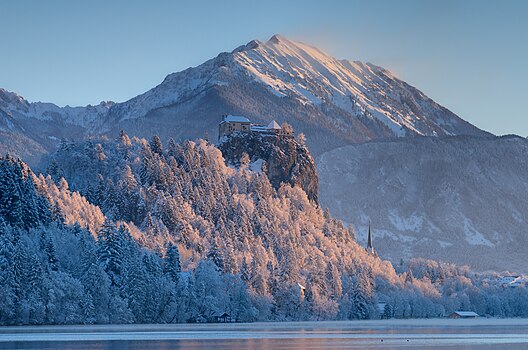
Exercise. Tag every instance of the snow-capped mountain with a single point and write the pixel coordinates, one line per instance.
(30, 130)
(86, 117)
(461, 199)
(334, 102)
(337, 104)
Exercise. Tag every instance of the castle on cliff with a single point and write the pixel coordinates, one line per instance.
(231, 124)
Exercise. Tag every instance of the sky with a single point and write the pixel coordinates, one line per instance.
(470, 56)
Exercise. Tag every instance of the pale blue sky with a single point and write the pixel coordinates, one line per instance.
(470, 56)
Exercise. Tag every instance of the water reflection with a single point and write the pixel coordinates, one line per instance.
(263, 344)
(411, 334)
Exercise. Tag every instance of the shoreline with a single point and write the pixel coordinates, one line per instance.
(271, 325)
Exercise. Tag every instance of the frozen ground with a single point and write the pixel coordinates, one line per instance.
(382, 334)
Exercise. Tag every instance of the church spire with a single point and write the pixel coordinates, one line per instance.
(370, 248)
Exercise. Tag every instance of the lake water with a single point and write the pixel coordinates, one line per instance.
(380, 334)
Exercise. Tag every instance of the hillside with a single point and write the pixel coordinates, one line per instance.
(185, 238)
(271, 240)
(460, 199)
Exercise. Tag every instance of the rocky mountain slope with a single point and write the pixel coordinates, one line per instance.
(334, 102)
(460, 199)
(30, 130)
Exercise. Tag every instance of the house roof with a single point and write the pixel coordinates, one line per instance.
(466, 313)
(235, 119)
(512, 280)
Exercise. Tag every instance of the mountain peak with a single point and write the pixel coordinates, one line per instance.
(10, 96)
(281, 40)
(334, 102)
(275, 39)
(253, 44)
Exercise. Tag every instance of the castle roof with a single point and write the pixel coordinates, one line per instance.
(273, 125)
(235, 119)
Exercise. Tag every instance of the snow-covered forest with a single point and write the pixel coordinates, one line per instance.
(133, 231)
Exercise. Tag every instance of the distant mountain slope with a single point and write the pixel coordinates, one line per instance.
(30, 130)
(333, 102)
(460, 199)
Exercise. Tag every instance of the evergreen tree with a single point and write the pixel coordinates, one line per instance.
(359, 302)
(244, 271)
(20, 204)
(216, 256)
(48, 247)
(110, 254)
(155, 145)
(54, 170)
(134, 289)
(124, 145)
(388, 311)
(147, 167)
(8, 296)
(172, 265)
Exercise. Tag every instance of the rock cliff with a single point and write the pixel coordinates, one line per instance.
(282, 158)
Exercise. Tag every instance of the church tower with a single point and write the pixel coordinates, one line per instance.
(370, 248)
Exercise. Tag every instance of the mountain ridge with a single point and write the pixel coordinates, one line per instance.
(334, 102)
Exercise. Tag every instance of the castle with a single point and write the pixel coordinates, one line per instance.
(231, 124)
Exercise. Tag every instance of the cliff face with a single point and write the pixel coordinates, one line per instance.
(282, 158)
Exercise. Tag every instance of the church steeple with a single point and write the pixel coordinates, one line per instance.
(370, 248)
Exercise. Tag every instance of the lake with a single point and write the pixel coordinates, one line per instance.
(377, 334)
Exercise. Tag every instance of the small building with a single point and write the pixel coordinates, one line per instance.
(464, 314)
(231, 124)
(300, 290)
(197, 319)
(512, 281)
(519, 283)
(508, 279)
(223, 318)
